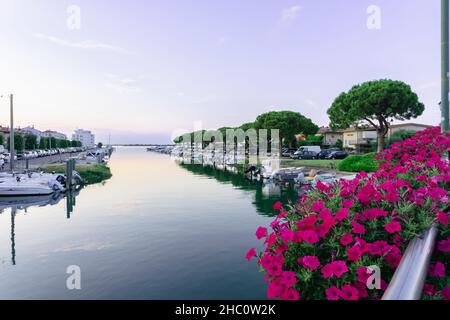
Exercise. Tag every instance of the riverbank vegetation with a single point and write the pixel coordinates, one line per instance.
(329, 164)
(322, 246)
(358, 163)
(92, 173)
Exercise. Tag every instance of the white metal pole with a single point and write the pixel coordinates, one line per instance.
(11, 132)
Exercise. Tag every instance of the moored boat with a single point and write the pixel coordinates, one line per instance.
(12, 185)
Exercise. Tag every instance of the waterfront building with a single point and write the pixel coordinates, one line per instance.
(87, 138)
(353, 138)
(32, 130)
(54, 134)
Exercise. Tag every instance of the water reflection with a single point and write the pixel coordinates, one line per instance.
(266, 193)
(18, 204)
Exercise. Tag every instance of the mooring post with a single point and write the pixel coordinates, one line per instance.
(69, 173)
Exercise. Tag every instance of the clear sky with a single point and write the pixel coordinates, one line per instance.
(142, 70)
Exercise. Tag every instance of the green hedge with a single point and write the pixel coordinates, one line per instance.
(366, 163)
(93, 173)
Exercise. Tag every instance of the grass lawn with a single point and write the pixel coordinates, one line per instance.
(310, 163)
(92, 173)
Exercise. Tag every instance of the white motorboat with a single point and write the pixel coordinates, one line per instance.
(12, 185)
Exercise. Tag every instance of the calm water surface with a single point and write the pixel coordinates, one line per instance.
(156, 230)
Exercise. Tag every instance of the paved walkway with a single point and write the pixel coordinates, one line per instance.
(39, 162)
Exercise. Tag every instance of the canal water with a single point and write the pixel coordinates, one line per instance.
(156, 230)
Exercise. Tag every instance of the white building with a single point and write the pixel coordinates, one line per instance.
(86, 137)
(33, 131)
(54, 134)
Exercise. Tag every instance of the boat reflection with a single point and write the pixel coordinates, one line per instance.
(18, 204)
(266, 193)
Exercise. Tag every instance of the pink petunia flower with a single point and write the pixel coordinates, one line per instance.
(349, 293)
(322, 187)
(322, 230)
(393, 259)
(342, 214)
(287, 235)
(347, 203)
(261, 233)
(336, 268)
(277, 206)
(311, 262)
(275, 288)
(274, 269)
(333, 293)
(393, 227)
(437, 270)
(318, 206)
(327, 271)
(354, 253)
(442, 217)
(339, 268)
(310, 236)
(289, 277)
(444, 245)
(271, 239)
(429, 289)
(372, 214)
(445, 293)
(346, 239)
(250, 254)
(290, 295)
(358, 228)
(362, 274)
(362, 290)
(379, 248)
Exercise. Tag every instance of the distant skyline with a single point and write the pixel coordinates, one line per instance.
(142, 70)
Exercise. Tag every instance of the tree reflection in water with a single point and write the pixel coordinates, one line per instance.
(266, 193)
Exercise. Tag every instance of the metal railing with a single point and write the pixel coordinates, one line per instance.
(409, 278)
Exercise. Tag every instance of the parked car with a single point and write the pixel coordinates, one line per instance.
(7, 157)
(337, 155)
(324, 153)
(305, 155)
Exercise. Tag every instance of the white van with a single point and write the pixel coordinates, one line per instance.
(310, 148)
(315, 149)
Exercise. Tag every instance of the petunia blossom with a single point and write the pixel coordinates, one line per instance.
(349, 293)
(311, 262)
(261, 233)
(333, 293)
(250, 254)
(393, 227)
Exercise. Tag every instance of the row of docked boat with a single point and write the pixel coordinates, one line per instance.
(34, 183)
(161, 149)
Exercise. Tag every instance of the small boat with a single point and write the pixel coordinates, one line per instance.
(13, 185)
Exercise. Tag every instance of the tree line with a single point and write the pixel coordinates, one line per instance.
(374, 104)
(288, 123)
(24, 142)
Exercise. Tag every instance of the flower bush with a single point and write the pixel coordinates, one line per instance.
(321, 246)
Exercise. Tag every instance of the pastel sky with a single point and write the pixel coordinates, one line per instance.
(142, 70)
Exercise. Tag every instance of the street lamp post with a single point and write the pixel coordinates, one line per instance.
(11, 132)
(445, 65)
